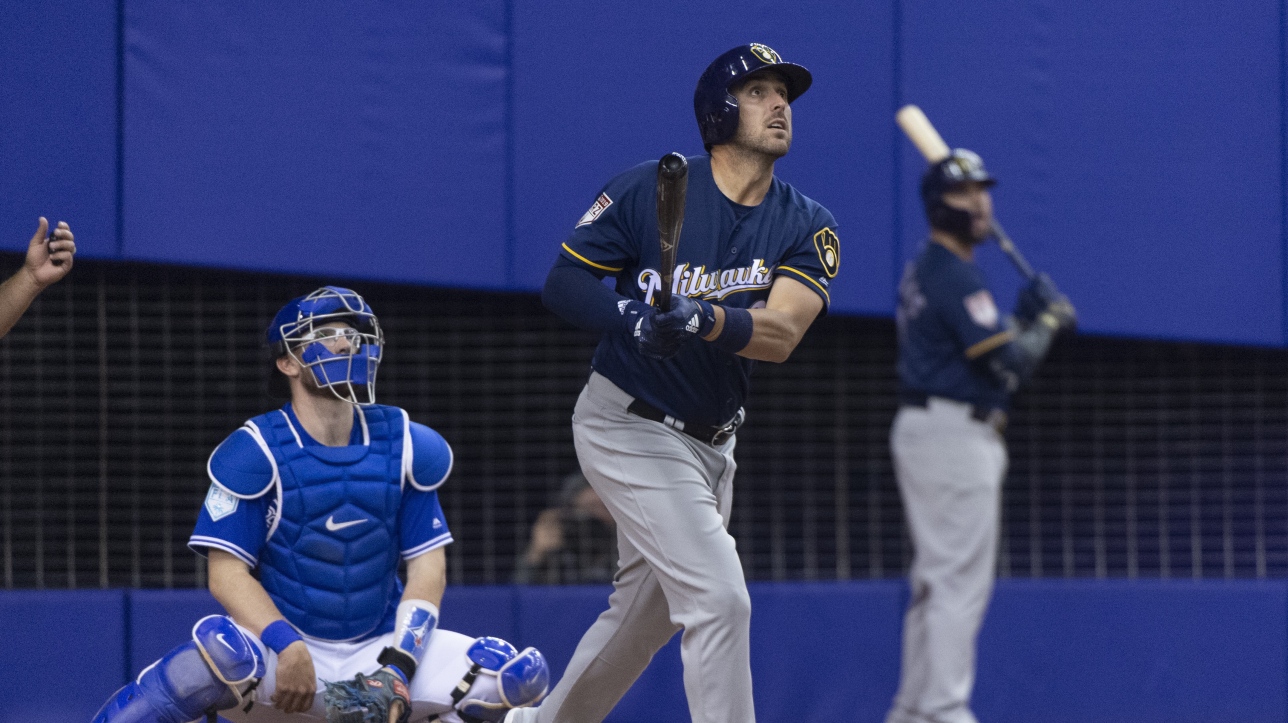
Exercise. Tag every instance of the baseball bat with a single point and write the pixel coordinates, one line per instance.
(923, 135)
(672, 186)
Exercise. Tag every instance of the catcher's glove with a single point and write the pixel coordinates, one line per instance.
(366, 698)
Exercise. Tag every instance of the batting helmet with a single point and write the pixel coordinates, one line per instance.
(961, 166)
(343, 360)
(715, 106)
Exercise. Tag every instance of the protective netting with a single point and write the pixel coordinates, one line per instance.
(1129, 458)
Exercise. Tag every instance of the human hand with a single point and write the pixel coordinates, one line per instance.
(296, 680)
(662, 333)
(48, 262)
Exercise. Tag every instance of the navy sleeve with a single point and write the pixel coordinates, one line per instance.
(606, 238)
(422, 526)
(577, 295)
(815, 259)
(960, 298)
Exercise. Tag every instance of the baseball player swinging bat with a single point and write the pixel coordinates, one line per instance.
(923, 135)
(672, 185)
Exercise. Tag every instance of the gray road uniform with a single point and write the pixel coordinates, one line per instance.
(654, 427)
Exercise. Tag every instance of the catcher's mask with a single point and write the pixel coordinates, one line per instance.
(332, 333)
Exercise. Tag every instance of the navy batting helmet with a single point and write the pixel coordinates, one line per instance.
(715, 106)
(961, 166)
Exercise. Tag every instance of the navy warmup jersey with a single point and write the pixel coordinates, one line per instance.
(947, 319)
(728, 255)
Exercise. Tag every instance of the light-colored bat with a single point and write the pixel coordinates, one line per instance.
(923, 135)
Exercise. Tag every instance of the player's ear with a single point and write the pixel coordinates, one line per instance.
(287, 365)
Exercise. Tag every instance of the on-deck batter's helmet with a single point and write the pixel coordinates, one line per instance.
(305, 330)
(715, 106)
(961, 166)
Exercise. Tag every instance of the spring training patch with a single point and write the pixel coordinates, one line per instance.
(219, 503)
(981, 308)
(600, 205)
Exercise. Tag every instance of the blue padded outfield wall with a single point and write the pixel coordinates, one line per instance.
(1051, 651)
(1141, 147)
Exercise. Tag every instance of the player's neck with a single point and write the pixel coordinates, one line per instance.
(326, 418)
(743, 177)
(965, 252)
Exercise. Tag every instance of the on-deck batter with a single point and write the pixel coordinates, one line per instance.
(654, 427)
(959, 362)
(321, 499)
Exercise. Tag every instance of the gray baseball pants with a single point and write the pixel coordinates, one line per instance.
(950, 469)
(679, 570)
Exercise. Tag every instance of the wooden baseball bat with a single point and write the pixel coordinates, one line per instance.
(923, 135)
(672, 186)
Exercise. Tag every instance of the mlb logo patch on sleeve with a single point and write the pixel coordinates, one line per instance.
(598, 207)
(981, 308)
(220, 503)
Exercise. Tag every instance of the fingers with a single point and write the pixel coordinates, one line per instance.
(42, 230)
(293, 699)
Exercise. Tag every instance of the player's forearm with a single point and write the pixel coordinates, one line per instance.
(16, 294)
(580, 298)
(427, 577)
(774, 336)
(240, 593)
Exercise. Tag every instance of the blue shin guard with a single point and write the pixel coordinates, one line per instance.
(211, 672)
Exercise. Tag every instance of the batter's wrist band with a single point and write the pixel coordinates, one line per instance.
(736, 333)
(278, 636)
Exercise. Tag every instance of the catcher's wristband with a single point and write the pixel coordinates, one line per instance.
(278, 636)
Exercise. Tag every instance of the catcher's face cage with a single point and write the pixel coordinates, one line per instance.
(337, 338)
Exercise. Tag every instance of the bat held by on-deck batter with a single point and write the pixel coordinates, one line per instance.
(672, 186)
(923, 135)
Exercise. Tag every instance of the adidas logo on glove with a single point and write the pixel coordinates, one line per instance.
(694, 324)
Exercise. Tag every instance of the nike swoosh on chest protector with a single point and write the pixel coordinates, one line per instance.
(333, 526)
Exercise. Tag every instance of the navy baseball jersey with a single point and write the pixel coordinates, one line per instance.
(728, 254)
(947, 319)
(325, 526)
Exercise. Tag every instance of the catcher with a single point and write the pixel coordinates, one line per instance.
(310, 509)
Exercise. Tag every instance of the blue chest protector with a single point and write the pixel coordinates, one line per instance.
(331, 564)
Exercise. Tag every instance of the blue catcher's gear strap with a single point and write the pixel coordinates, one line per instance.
(416, 621)
(279, 635)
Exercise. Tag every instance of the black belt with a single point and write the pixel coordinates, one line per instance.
(714, 436)
(988, 415)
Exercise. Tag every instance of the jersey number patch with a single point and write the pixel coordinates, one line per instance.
(829, 251)
(600, 205)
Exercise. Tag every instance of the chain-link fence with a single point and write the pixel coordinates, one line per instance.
(1129, 458)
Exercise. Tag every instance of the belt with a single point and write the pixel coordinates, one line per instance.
(991, 416)
(714, 436)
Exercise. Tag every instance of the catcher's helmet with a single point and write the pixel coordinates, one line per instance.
(715, 106)
(343, 360)
(960, 166)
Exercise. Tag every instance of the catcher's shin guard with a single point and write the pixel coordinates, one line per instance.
(213, 671)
